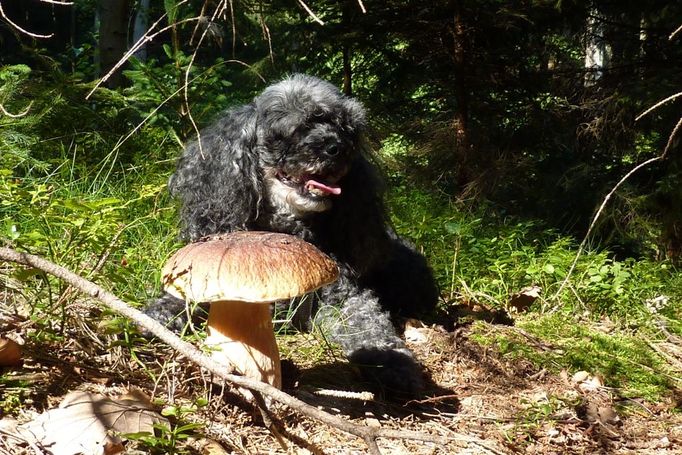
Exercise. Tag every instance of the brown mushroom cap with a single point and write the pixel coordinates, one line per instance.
(248, 266)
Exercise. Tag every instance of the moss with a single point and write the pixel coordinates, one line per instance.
(626, 361)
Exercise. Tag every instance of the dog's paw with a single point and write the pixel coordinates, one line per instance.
(394, 371)
(173, 313)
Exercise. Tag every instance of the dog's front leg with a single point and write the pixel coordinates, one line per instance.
(353, 318)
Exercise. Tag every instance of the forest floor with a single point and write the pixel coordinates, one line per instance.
(481, 401)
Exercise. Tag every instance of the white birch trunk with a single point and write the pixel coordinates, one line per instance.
(140, 28)
(596, 49)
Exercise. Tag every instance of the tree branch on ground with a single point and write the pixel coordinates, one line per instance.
(193, 354)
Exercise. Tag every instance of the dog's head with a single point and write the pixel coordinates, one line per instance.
(309, 134)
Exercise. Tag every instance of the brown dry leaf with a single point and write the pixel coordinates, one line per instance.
(607, 414)
(587, 382)
(88, 423)
(112, 448)
(591, 384)
(211, 447)
(416, 331)
(523, 299)
(580, 376)
(10, 353)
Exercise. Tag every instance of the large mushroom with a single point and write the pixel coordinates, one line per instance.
(240, 274)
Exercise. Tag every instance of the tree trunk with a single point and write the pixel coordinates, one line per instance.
(596, 51)
(140, 28)
(347, 20)
(460, 123)
(113, 37)
(347, 72)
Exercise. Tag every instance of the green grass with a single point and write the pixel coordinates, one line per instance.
(480, 256)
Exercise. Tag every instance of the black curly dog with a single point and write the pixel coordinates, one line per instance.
(295, 160)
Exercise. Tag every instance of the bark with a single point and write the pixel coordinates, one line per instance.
(596, 52)
(140, 28)
(460, 122)
(113, 37)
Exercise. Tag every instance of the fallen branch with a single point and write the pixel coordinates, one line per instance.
(193, 354)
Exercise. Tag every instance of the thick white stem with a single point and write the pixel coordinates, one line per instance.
(240, 334)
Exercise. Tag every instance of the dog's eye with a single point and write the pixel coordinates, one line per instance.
(332, 150)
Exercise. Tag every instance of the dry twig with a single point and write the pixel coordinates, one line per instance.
(221, 7)
(593, 223)
(657, 105)
(193, 354)
(147, 37)
(20, 114)
(581, 247)
(310, 12)
(673, 34)
(22, 30)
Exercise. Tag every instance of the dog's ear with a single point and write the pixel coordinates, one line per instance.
(353, 117)
(357, 222)
(216, 179)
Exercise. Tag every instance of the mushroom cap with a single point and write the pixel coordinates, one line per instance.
(248, 266)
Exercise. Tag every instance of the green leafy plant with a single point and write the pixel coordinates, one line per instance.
(168, 439)
(487, 258)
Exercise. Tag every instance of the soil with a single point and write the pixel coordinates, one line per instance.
(479, 401)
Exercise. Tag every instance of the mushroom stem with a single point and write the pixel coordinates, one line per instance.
(241, 335)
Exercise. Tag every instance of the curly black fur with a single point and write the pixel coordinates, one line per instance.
(295, 161)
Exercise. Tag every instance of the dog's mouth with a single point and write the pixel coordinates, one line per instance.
(312, 185)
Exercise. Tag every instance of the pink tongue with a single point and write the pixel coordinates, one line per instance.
(321, 186)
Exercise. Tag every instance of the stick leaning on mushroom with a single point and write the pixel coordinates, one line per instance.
(240, 274)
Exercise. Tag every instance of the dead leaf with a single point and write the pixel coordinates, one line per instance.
(211, 447)
(607, 414)
(523, 299)
(587, 382)
(416, 331)
(8, 425)
(580, 376)
(10, 353)
(591, 384)
(90, 423)
(112, 448)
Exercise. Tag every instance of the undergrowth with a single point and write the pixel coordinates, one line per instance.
(480, 256)
(608, 320)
